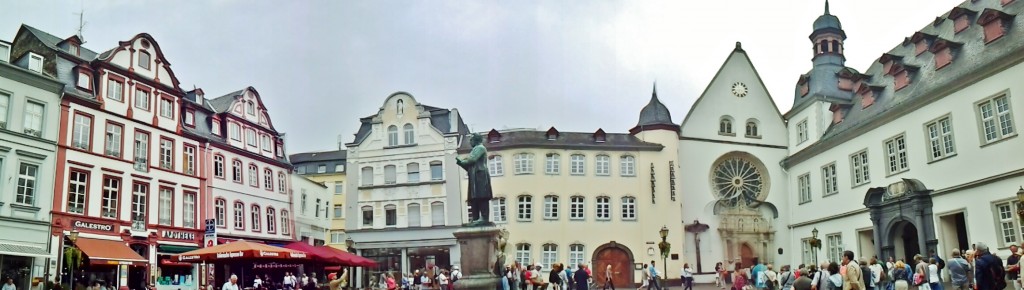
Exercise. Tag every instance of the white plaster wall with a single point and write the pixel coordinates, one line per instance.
(308, 223)
(973, 162)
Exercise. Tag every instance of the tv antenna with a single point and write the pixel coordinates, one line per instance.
(81, 23)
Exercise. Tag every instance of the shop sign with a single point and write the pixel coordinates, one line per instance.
(94, 226)
(179, 235)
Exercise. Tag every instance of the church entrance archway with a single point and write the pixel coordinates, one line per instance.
(747, 255)
(620, 258)
(904, 241)
(902, 218)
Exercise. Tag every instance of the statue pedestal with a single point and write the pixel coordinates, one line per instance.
(479, 257)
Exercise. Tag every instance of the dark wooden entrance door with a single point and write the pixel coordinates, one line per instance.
(622, 267)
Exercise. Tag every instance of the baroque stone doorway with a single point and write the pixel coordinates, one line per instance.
(902, 217)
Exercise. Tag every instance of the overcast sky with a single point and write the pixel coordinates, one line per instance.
(575, 65)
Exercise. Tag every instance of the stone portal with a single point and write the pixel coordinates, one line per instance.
(902, 218)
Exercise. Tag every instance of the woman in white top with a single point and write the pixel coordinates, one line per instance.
(442, 280)
(686, 274)
(933, 274)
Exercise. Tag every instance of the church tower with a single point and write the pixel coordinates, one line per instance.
(821, 94)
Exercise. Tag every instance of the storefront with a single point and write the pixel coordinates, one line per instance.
(404, 251)
(23, 254)
(170, 274)
(108, 261)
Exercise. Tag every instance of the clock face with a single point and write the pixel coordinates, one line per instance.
(739, 89)
(738, 181)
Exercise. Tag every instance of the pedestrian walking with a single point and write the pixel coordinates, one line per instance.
(686, 275)
(989, 272)
(787, 278)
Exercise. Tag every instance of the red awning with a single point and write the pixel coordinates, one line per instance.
(349, 259)
(316, 253)
(105, 252)
(239, 250)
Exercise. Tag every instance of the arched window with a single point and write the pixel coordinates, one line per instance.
(281, 185)
(629, 208)
(220, 207)
(548, 255)
(410, 134)
(285, 222)
(604, 208)
(523, 254)
(437, 213)
(576, 254)
(239, 215)
(390, 215)
(256, 216)
(823, 47)
(218, 166)
(752, 128)
(835, 47)
(392, 135)
(268, 179)
(413, 214)
(236, 171)
(254, 176)
(367, 216)
(144, 59)
(250, 108)
(271, 220)
(400, 106)
(551, 207)
(725, 126)
(495, 166)
(627, 165)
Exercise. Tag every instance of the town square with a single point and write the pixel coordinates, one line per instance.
(544, 145)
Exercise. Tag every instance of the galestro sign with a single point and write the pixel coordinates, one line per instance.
(94, 226)
(179, 235)
(229, 255)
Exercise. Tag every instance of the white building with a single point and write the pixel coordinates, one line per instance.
(29, 123)
(405, 196)
(248, 184)
(311, 205)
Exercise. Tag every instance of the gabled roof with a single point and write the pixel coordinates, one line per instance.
(52, 41)
(737, 52)
(440, 119)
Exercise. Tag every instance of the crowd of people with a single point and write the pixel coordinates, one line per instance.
(974, 269)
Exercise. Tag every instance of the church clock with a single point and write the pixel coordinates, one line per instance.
(739, 89)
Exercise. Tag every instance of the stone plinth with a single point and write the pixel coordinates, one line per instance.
(479, 254)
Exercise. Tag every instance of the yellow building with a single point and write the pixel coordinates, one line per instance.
(328, 168)
(597, 198)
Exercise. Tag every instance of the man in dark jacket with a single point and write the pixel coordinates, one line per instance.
(989, 271)
(802, 283)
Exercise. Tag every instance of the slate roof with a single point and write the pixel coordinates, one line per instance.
(655, 113)
(973, 57)
(566, 140)
(318, 156)
(223, 103)
(827, 20)
(51, 41)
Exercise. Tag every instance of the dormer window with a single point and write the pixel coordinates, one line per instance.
(73, 49)
(144, 59)
(995, 22)
(944, 51)
(190, 118)
(961, 18)
(599, 136)
(921, 42)
(493, 136)
(84, 81)
(552, 134)
(35, 62)
(215, 127)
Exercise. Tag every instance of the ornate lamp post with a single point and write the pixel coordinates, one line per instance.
(73, 236)
(351, 247)
(665, 247)
(815, 244)
(1020, 203)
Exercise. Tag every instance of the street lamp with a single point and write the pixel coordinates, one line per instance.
(815, 243)
(1020, 203)
(350, 245)
(73, 236)
(664, 247)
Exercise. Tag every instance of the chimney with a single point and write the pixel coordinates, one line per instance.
(341, 145)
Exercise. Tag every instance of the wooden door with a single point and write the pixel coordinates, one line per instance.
(622, 267)
(747, 255)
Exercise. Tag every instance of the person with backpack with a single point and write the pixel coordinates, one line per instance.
(958, 268)
(879, 273)
(989, 271)
(787, 278)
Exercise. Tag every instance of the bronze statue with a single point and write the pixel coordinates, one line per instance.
(480, 193)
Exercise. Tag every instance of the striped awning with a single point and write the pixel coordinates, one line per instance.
(19, 250)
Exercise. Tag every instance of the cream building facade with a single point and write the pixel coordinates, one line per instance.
(405, 199)
(588, 197)
(327, 168)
